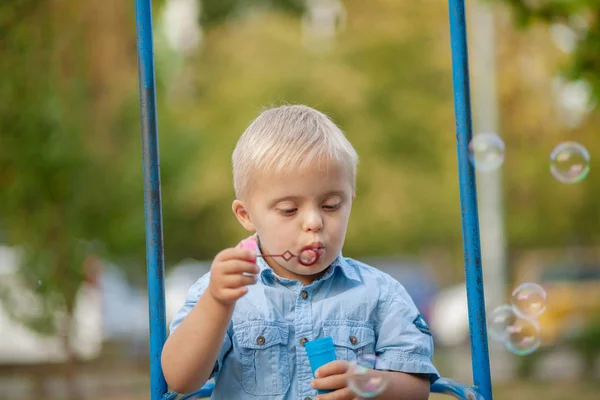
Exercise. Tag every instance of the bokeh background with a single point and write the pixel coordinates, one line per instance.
(73, 314)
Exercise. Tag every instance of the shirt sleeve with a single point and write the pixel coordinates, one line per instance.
(192, 297)
(404, 342)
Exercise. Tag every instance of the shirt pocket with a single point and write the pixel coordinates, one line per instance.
(264, 357)
(351, 339)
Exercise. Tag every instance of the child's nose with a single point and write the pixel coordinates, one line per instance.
(313, 222)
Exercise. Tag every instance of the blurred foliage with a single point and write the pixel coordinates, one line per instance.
(70, 158)
(583, 17)
(215, 12)
(540, 211)
(588, 345)
(70, 153)
(584, 342)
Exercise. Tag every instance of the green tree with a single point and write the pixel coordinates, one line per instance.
(540, 211)
(70, 152)
(583, 17)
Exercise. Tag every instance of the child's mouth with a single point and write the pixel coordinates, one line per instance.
(309, 255)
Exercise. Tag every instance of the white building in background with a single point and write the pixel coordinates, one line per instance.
(20, 345)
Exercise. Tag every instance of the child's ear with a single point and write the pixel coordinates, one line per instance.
(239, 209)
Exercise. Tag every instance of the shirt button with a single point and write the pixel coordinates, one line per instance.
(307, 398)
(304, 295)
(303, 341)
(353, 339)
(260, 340)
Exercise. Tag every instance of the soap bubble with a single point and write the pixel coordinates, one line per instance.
(569, 162)
(500, 319)
(363, 379)
(515, 325)
(308, 256)
(529, 300)
(486, 151)
(524, 337)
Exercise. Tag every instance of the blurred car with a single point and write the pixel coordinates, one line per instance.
(449, 316)
(572, 286)
(573, 290)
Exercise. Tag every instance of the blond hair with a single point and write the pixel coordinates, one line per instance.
(289, 136)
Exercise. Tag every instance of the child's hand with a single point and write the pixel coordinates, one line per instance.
(332, 376)
(231, 271)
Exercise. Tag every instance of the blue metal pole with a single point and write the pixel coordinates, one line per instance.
(152, 196)
(468, 200)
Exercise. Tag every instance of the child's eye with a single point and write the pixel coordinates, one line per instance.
(333, 207)
(287, 211)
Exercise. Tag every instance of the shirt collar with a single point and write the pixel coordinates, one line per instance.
(348, 270)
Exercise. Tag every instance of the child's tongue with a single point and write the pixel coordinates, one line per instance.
(308, 255)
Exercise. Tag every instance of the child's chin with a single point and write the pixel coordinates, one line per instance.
(309, 270)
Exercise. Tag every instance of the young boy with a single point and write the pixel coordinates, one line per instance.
(247, 321)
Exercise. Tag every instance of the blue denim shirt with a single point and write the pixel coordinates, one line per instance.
(364, 310)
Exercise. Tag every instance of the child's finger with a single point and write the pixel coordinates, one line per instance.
(238, 280)
(342, 394)
(232, 294)
(236, 267)
(236, 253)
(332, 368)
(329, 382)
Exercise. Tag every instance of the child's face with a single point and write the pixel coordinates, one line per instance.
(298, 208)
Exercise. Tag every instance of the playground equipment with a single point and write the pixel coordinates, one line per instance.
(481, 388)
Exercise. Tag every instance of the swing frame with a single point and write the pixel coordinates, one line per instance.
(481, 388)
